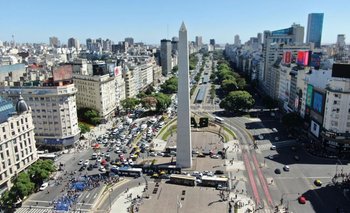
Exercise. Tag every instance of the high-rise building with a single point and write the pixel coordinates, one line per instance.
(314, 29)
(130, 40)
(199, 42)
(89, 44)
(184, 144)
(174, 45)
(341, 40)
(212, 42)
(73, 42)
(165, 56)
(237, 41)
(54, 42)
(259, 36)
(17, 143)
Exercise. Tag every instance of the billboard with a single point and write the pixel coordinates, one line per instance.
(317, 104)
(287, 57)
(315, 60)
(309, 91)
(99, 69)
(341, 70)
(315, 128)
(303, 58)
(63, 72)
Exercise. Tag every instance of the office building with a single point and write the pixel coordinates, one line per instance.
(314, 29)
(165, 56)
(199, 41)
(17, 143)
(212, 42)
(130, 40)
(54, 42)
(237, 41)
(184, 144)
(73, 42)
(174, 45)
(341, 40)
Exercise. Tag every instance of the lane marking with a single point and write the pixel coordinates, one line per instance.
(251, 178)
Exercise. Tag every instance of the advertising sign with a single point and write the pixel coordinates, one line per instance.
(309, 95)
(303, 58)
(315, 60)
(315, 128)
(287, 57)
(317, 102)
(63, 72)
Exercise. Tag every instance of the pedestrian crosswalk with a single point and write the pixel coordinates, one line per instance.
(28, 209)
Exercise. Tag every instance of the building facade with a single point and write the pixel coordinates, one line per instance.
(165, 56)
(17, 143)
(96, 92)
(54, 113)
(314, 29)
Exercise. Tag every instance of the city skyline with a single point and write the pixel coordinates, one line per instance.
(151, 22)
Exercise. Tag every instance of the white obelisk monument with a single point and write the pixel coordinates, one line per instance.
(183, 144)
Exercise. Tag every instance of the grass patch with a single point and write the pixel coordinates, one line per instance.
(170, 130)
(229, 131)
(166, 127)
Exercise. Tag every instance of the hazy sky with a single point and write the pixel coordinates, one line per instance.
(152, 20)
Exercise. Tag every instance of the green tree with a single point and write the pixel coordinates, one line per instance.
(41, 171)
(163, 101)
(229, 85)
(84, 128)
(175, 69)
(170, 86)
(88, 115)
(129, 103)
(141, 95)
(212, 77)
(237, 100)
(241, 83)
(22, 185)
(150, 89)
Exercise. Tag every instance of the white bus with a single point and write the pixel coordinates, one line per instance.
(219, 120)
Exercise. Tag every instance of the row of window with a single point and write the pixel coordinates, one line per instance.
(6, 173)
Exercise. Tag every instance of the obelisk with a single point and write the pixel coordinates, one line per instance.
(183, 144)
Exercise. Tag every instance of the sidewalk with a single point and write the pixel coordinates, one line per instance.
(124, 201)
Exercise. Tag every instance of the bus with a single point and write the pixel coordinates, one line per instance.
(219, 120)
(48, 156)
(128, 171)
(183, 180)
(214, 181)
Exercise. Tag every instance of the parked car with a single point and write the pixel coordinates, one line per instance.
(277, 171)
(219, 172)
(102, 169)
(302, 200)
(273, 147)
(286, 168)
(43, 186)
(318, 182)
(270, 157)
(81, 162)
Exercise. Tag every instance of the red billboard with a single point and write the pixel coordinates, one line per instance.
(303, 58)
(62, 73)
(287, 57)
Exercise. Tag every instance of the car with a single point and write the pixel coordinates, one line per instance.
(96, 165)
(43, 186)
(80, 162)
(318, 182)
(107, 155)
(82, 168)
(90, 167)
(201, 155)
(86, 163)
(219, 172)
(302, 200)
(286, 168)
(195, 152)
(167, 155)
(99, 159)
(160, 154)
(215, 156)
(270, 157)
(102, 169)
(260, 137)
(273, 147)
(152, 154)
(277, 171)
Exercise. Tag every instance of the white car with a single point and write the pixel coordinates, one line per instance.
(99, 159)
(86, 163)
(102, 169)
(215, 156)
(43, 186)
(81, 162)
(286, 168)
(273, 147)
(152, 154)
(271, 157)
(260, 137)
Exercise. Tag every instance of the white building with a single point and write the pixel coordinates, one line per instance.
(17, 143)
(97, 92)
(54, 113)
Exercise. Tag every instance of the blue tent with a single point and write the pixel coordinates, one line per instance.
(62, 206)
(79, 186)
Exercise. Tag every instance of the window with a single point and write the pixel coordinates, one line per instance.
(335, 102)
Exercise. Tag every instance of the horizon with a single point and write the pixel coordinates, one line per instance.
(149, 22)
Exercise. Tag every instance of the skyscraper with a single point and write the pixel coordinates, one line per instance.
(314, 28)
(54, 42)
(237, 41)
(72, 42)
(212, 42)
(165, 56)
(130, 40)
(183, 145)
(199, 42)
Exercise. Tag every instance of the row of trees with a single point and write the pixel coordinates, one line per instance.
(170, 86)
(228, 79)
(25, 183)
(193, 61)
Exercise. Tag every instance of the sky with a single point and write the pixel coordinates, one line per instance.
(150, 21)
